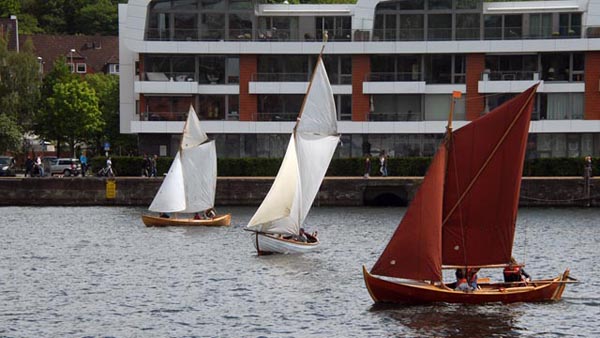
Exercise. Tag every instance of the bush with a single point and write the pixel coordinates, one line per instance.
(402, 166)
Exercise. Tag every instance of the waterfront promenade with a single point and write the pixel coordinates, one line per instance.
(250, 191)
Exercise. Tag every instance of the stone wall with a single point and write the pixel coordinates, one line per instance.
(335, 191)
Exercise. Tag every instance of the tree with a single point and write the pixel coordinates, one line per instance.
(19, 89)
(71, 113)
(98, 18)
(10, 134)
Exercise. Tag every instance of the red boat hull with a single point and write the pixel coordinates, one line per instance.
(415, 292)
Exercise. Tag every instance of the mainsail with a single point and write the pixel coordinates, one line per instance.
(307, 157)
(191, 182)
(465, 210)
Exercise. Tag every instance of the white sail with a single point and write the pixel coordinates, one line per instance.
(191, 182)
(171, 194)
(306, 160)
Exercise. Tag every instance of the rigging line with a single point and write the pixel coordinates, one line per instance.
(567, 200)
(460, 214)
(489, 158)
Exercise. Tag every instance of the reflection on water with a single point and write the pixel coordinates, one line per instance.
(443, 320)
(98, 271)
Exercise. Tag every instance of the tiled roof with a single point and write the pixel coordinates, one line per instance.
(96, 51)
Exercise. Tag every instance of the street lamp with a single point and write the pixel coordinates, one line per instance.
(72, 64)
(41, 66)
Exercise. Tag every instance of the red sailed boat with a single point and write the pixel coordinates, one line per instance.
(463, 216)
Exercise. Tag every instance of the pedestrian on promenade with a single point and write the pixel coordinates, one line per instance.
(367, 165)
(153, 165)
(383, 163)
(84, 163)
(587, 167)
(28, 166)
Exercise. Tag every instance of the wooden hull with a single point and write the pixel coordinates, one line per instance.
(387, 290)
(268, 244)
(156, 221)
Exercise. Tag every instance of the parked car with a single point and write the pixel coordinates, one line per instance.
(65, 166)
(7, 166)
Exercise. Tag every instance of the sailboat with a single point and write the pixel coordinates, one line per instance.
(277, 223)
(463, 216)
(190, 184)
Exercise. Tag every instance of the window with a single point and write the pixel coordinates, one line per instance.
(467, 26)
(570, 24)
(439, 27)
(113, 68)
(81, 68)
(540, 25)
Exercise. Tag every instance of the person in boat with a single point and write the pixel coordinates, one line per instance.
(197, 216)
(210, 213)
(462, 283)
(164, 215)
(301, 237)
(472, 278)
(515, 273)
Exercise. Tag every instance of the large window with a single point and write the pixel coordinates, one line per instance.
(214, 69)
(338, 28)
(277, 107)
(400, 107)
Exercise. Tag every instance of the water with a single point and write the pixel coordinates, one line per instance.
(99, 272)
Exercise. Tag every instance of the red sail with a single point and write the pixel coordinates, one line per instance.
(414, 251)
(485, 164)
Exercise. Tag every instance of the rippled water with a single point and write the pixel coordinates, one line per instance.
(98, 271)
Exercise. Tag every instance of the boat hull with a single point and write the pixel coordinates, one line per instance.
(384, 290)
(156, 221)
(268, 244)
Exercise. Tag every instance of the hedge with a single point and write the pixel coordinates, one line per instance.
(406, 166)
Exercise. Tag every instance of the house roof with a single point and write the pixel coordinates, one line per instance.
(94, 50)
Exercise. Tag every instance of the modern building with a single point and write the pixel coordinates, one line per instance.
(393, 65)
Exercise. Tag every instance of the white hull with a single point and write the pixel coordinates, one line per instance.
(267, 244)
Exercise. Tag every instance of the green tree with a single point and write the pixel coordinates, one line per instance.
(10, 134)
(98, 18)
(71, 114)
(19, 88)
(107, 90)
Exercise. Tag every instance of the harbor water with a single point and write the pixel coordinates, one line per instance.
(99, 272)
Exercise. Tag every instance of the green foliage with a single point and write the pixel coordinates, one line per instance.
(19, 91)
(72, 112)
(98, 18)
(405, 166)
(10, 134)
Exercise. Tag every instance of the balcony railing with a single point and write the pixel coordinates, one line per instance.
(276, 117)
(395, 116)
(280, 77)
(393, 77)
(396, 34)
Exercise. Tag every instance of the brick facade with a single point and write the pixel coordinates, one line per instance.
(592, 90)
(248, 102)
(361, 66)
(475, 102)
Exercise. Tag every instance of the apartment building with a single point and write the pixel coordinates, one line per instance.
(393, 65)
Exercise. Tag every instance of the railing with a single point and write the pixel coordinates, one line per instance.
(511, 75)
(281, 116)
(396, 116)
(170, 76)
(182, 115)
(280, 77)
(405, 34)
(393, 77)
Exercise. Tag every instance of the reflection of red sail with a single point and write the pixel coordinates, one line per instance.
(464, 215)
(485, 163)
(414, 250)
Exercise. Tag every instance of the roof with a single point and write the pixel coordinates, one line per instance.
(95, 50)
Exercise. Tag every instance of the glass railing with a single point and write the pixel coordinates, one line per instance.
(393, 77)
(395, 116)
(276, 117)
(409, 34)
(527, 75)
(280, 77)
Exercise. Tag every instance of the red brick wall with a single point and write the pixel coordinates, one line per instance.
(361, 66)
(592, 79)
(248, 102)
(475, 102)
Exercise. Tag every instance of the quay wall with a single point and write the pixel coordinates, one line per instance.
(250, 191)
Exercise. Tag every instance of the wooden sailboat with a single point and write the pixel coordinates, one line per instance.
(277, 224)
(464, 216)
(190, 184)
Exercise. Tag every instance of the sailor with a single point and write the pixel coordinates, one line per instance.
(210, 213)
(514, 273)
(461, 280)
